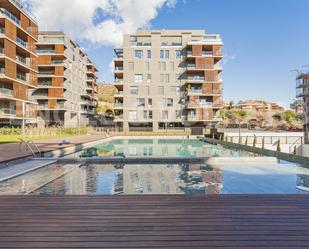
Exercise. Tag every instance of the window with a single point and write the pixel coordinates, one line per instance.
(132, 115)
(161, 90)
(148, 78)
(138, 78)
(164, 115)
(141, 102)
(162, 66)
(168, 102)
(178, 54)
(164, 54)
(147, 114)
(172, 67)
(148, 54)
(164, 78)
(147, 66)
(138, 54)
(149, 102)
(131, 66)
(134, 90)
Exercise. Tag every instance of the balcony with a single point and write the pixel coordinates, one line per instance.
(45, 51)
(204, 54)
(23, 77)
(22, 60)
(118, 69)
(21, 42)
(46, 73)
(118, 117)
(7, 112)
(118, 105)
(141, 44)
(171, 44)
(6, 91)
(45, 83)
(118, 94)
(10, 16)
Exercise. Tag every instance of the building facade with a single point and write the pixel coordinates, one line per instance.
(302, 93)
(67, 86)
(168, 79)
(18, 63)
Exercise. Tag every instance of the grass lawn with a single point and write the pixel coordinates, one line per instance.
(5, 139)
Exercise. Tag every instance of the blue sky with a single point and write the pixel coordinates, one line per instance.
(263, 41)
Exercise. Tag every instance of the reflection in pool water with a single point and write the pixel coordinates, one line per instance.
(160, 179)
(160, 148)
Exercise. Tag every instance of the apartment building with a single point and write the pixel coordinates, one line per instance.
(168, 79)
(302, 93)
(67, 86)
(18, 63)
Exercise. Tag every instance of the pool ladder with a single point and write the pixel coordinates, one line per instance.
(30, 148)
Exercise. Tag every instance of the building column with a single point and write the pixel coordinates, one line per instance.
(126, 126)
(155, 126)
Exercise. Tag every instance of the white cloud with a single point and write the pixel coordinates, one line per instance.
(76, 17)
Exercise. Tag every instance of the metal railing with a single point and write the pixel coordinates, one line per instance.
(29, 148)
(6, 91)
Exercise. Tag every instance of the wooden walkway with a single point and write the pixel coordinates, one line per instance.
(230, 221)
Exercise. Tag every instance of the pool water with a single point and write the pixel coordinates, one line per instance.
(109, 179)
(160, 148)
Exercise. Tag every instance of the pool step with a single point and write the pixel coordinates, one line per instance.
(15, 170)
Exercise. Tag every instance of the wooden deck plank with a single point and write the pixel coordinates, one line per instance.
(225, 221)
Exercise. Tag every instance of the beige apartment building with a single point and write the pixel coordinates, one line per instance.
(67, 86)
(168, 79)
(18, 63)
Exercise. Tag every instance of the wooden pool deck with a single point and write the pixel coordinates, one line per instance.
(226, 221)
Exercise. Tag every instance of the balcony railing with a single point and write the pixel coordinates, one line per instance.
(45, 83)
(21, 42)
(7, 112)
(118, 81)
(141, 44)
(21, 59)
(199, 78)
(171, 44)
(22, 77)
(45, 51)
(6, 91)
(118, 104)
(204, 53)
(118, 116)
(118, 68)
(119, 93)
(2, 30)
(10, 16)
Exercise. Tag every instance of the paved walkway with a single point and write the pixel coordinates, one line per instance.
(12, 151)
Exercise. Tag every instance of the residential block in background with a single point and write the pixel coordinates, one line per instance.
(18, 63)
(67, 87)
(168, 79)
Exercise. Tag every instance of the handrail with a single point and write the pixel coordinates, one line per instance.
(28, 147)
(291, 148)
(35, 145)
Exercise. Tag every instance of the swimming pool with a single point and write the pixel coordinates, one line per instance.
(135, 179)
(159, 148)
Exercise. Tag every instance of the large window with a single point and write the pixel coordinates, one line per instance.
(168, 102)
(148, 54)
(164, 115)
(132, 115)
(148, 78)
(138, 54)
(140, 102)
(147, 114)
(138, 78)
(178, 54)
(164, 54)
(134, 90)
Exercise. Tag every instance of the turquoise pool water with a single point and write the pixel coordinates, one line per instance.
(160, 148)
(113, 179)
